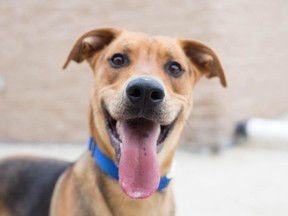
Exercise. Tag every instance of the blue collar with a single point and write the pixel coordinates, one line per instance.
(111, 169)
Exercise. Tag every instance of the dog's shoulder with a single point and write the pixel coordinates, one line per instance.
(26, 184)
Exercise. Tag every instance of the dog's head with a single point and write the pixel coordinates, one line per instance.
(142, 95)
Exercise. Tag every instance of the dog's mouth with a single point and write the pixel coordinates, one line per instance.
(137, 142)
(113, 127)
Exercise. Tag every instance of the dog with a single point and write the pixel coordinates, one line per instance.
(141, 98)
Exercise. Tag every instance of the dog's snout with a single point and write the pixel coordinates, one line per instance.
(145, 92)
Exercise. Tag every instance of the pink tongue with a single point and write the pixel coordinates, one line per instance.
(139, 173)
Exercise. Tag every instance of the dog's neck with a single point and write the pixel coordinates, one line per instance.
(157, 204)
(111, 169)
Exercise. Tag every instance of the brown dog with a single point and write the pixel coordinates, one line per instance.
(141, 98)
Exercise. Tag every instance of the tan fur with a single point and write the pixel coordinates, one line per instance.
(102, 195)
(115, 203)
(84, 190)
(4, 211)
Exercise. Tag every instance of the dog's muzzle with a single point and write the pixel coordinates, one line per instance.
(138, 134)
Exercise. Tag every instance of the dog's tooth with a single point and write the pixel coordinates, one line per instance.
(121, 146)
(117, 126)
(159, 129)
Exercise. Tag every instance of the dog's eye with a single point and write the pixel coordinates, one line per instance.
(174, 69)
(118, 60)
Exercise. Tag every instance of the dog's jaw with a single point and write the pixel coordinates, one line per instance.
(136, 143)
(113, 125)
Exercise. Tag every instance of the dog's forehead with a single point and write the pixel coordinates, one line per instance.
(131, 41)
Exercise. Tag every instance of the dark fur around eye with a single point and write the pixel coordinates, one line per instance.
(119, 60)
(174, 69)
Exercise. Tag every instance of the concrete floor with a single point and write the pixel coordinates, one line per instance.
(240, 181)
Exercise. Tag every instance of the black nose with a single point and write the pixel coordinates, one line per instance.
(145, 92)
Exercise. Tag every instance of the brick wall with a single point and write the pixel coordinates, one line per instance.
(39, 102)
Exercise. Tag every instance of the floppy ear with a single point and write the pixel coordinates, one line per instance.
(90, 43)
(204, 59)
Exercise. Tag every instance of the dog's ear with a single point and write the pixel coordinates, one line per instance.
(204, 59)
(90, 43)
